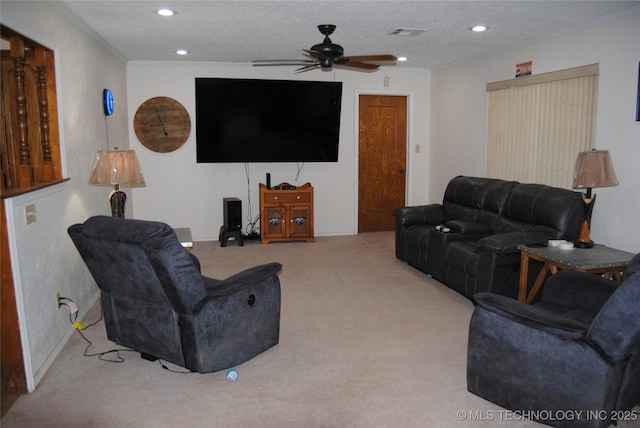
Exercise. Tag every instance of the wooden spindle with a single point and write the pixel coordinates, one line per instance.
(43, 103)
(25, 170)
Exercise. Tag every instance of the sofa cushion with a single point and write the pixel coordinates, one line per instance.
(466, 191)
(546, 206)
(498, 192)
(508, 225)
(464, 197)
(576, 314)
(460, 212)
(533, 316)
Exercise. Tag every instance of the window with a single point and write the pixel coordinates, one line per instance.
(538, 125)
(30, 151)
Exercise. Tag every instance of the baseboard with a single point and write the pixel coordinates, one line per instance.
(39, 374)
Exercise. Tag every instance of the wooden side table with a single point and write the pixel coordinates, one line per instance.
(599, 260)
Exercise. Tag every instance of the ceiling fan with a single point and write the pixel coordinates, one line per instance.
(327, 55)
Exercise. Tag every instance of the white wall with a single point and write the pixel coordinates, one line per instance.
(183, 193)
(459, 116)
(43, 257)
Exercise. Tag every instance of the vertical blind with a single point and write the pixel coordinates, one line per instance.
(538, 124)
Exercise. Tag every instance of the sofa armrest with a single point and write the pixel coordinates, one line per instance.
(508, 242)
(578, 290)
(242, 279)
(531, 316)
(422, 214)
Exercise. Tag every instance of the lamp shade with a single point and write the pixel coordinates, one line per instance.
(594, 169)
(117, 167)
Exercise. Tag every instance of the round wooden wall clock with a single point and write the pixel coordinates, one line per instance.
(162, 124)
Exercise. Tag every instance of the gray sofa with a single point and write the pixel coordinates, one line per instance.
(487, 219)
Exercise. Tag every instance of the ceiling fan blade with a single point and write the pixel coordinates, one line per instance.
(307, 68)
(313, 54)
(281, 60)
(372, 59)
(360, 66)
(269, 62)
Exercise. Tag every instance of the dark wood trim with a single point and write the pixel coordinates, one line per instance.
(13, 375)
(18, 192)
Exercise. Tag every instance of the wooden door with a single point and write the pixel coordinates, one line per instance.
(382, 160)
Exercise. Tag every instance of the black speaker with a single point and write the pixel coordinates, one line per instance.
(232, 214)
(268, 181)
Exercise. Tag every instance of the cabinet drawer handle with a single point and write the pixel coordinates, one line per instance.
(297, 197)
(275, 197)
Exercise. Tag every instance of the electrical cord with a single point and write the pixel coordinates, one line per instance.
(300, 166)
(106, 125)
(251, 229)
(73, 318)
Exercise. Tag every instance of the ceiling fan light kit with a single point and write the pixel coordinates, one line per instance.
(327, 55)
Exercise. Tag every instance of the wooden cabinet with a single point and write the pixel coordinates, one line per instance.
(286, 215)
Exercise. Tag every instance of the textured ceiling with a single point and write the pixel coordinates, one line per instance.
(242, 31)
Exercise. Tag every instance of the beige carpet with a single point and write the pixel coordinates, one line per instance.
(365, 341)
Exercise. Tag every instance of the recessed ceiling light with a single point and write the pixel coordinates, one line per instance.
(402, 58)
(479, 28)
(182, 51)
(165, 12)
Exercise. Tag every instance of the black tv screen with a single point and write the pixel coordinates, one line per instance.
(258, 120)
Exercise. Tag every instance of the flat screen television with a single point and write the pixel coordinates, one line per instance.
(259, 120)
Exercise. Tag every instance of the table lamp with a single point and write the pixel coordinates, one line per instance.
(117, 168)
(593, 169)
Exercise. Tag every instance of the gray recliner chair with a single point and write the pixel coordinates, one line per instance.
(573, 359)
(156, 301)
